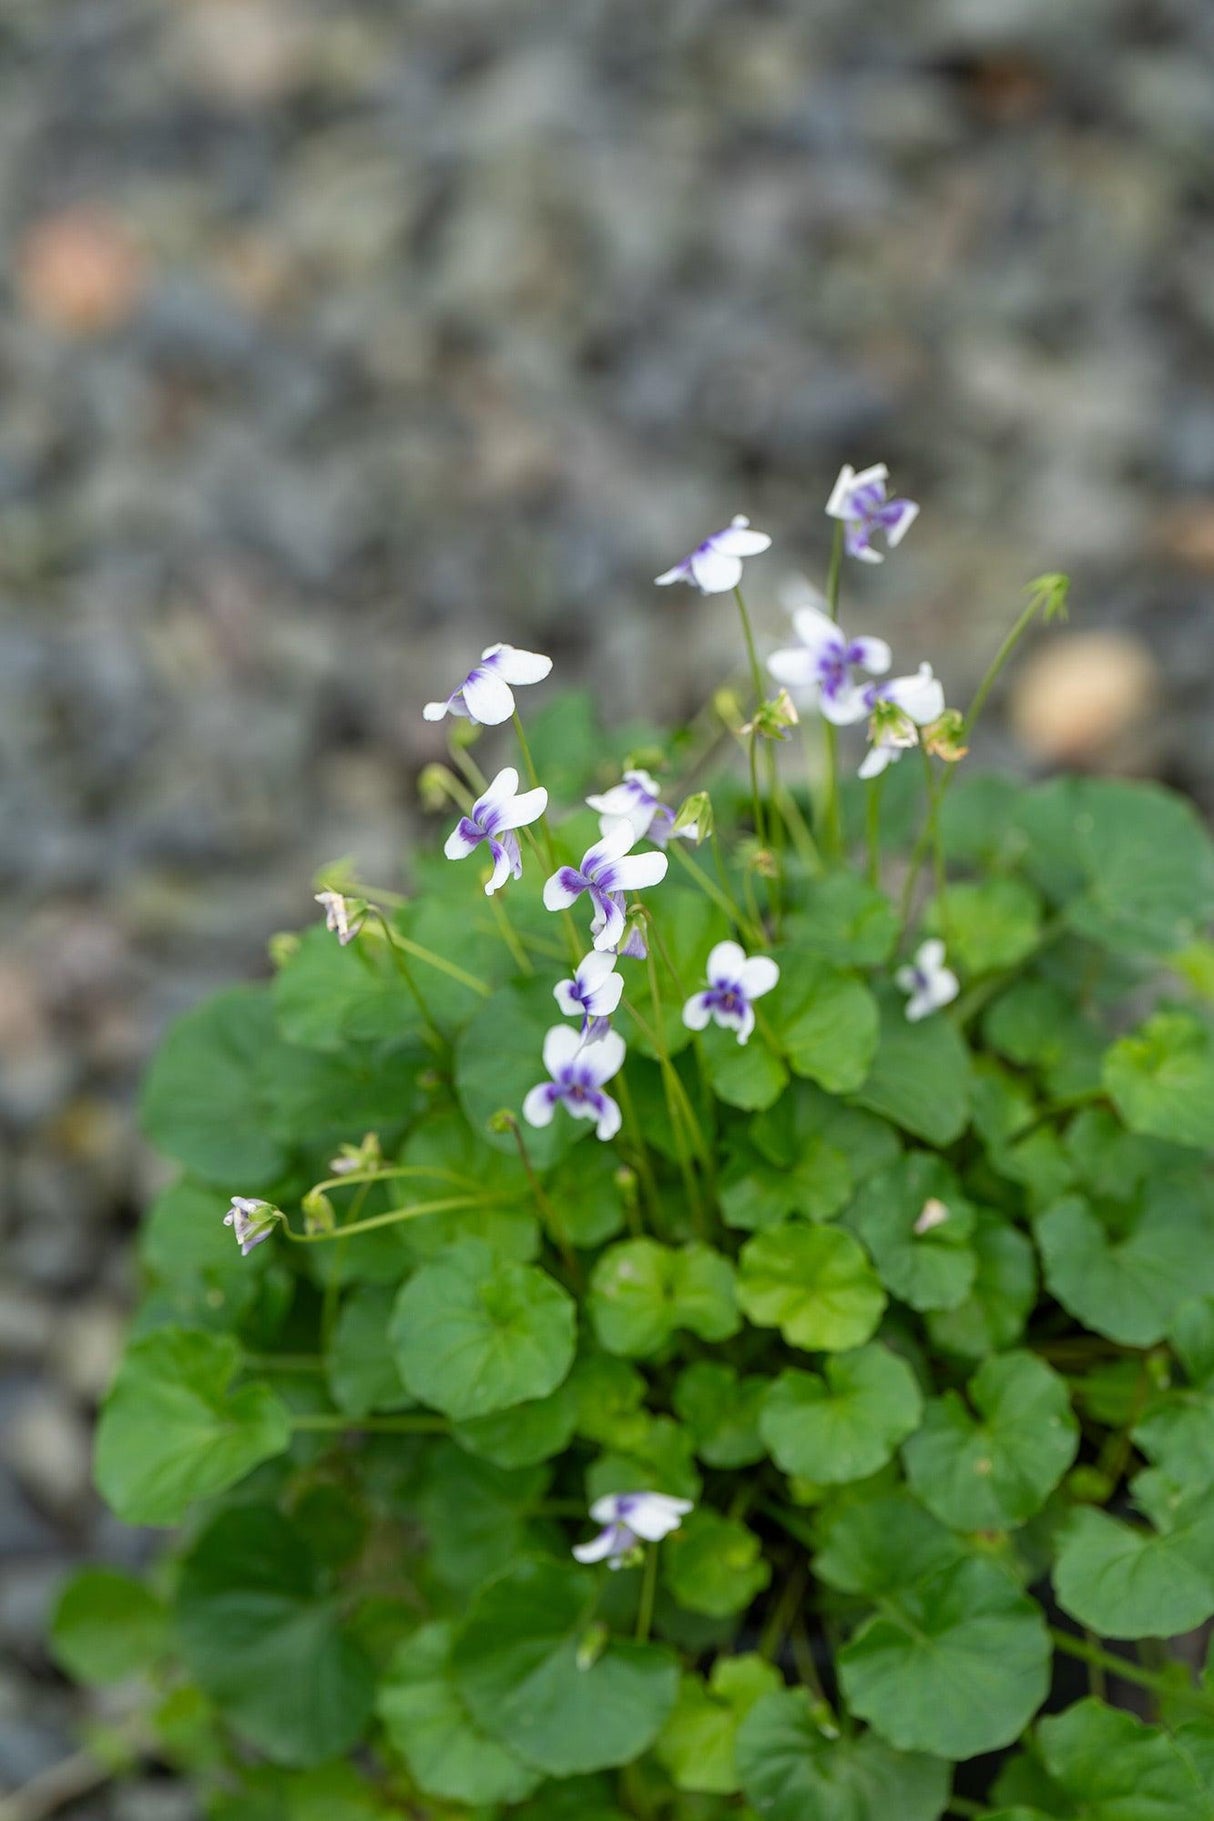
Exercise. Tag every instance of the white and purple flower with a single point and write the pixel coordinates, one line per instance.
(715, 566)
(734, 982)
(485, 695)
(897, 710)
(638, 801)
(579, 1071)
(607, 871)
(339, 917)
(494, 818)
(927, 980)
(593, 993)
(251, 1220)
(862, 502)
(820, 668)
(630, 1519)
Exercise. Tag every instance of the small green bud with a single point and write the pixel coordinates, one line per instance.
(1050, 594)
(945, 738)
(695, 820)
(502, 1122)
(464, 733)
(591, 1645)
(282, 947)
(434, 787)
(773, 719)
(318, 1212)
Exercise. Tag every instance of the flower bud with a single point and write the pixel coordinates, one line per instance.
(773, 719)
(434, 787)
(695, 820)
(464, 733)
(503, 1122)
(283, 946)
(318, 1212)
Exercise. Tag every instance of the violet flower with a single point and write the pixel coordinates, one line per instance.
(898, 709)
(628, 1520)
(485, 695)
(251, 1220)
(733, 983)
(338, 916)
(927, 980)
(638, 800)
(715, 566)
(494, 818)
(820, 667)
(862, 502)
(607, 871)
(593, 993)
(579, 1071)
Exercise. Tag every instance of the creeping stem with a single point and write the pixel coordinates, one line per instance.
(445, 1205)
(1130, 1672)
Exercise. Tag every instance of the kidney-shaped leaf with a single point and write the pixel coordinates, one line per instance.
(813, 1283)
(845, 1424)
(447, 1753)
(1161, 1079)
(791, 1771)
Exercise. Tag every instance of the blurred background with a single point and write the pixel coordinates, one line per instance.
(341, 337)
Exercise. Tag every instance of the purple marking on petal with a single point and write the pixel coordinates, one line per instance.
(572, 879)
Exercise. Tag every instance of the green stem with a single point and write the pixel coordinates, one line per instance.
(672, 1088)
(782, 1614)
(712, 890)
(414, 1423)
(643, 1167)
(429, 959)
(394, 1216)
(937, 840)
(833, 815)
(331, 1299)
(547, 1212)
(1130, 1672)
(873, 819)
(533, 777)
(998, 661)
(505, 930)
(403, 969)
(649, 1594)
(752, 655)
(391, 1173)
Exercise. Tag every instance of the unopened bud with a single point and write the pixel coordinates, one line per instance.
(773, 719)
(434, 787)
(502, 1122)
(318, 1212)
(464, 733)
(1050, 594)
(591, 1645)
(355, 1159)
(934, 1214)
(694, 820)
(282, 947)
(625, 1180)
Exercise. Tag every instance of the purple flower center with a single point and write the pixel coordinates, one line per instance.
(727, 996)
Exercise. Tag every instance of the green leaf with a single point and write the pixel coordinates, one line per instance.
(791, 1771)
(1127, 1279)
(1126, 1582)
(956, 1664)
(499, 1059)
(172, 1432)
(1176, 1431)
(473, 1333)
(845, 920)
(722, 1412)
(994, 1471)
(825, 1021)
(106, 1626)
(320, 1100)
(262, 1640)
(746, 1075)
(920, 1076)
(804, 1114)
(813, 1283)
(475, 1515)
(878, 1545)
(756, 1193)
(697, 1743)
(714, 1565)
(427, 1723)
(1161, 1079)
(584, 1189)
(1130, 863)
(657, 1456)
(992, 925)
(524, 1434)
(359, 1365)
(1113, 1768)
(205, 1100)
(1037, 1025)
(524, 1669)
(326, 995)
(934, 1269)
(846, 1424)
(1004, 1291)
(642, 1292)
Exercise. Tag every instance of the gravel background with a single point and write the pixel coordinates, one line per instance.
(343, 337)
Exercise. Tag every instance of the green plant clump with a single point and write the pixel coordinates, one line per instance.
(718, 1322)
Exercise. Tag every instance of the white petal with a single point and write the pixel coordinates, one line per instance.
(878, 758)
(840, 493)
(743, 1021)
(500, 791)
(558, 895)
(635, 871)
(846, 708)
(539, 1107)
(457, 846)
(655, 1515)
(598, 1550)
(897, 531)
(906, 979)
(488, 697)
(561, 1045)
(867, 554)
(593, 969)
(614, 845)
(434, 711)
(795, 667)
(607, 1509)
(605, 998)
(603, 1058)
(817, 631)
(696, 1012)
(920, 696)
(618, 801)
(566, 997)
(503, 866)
(528, 807)
(715, 571)
(873, 655)
(610, 1119)
(515, 666)
(758, 976)
(679, 573)
(725, 963)
(945, 987)
(740, 540)
(931, 955)
(608, 924)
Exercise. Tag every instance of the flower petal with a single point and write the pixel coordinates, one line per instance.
(846, 707)
(603, 1058)
(528, 807)
(609, 918)
(795, 667)
(931, 955)
(715, 571)
(739, 540)
(697, 1012)
(599, 1549)
(593, 969)
(565, 994)
(680, 573)
(878, 758)
(489, 699)
(873, 655)
(654, 1515)
(539, 1105)
(515, 666)
(606, 996)
(920, 696)
(435, 711)
(503, 865)
(725, 963)
(610, 1118)
(463, 840)
(564, 888)
(897, 530)
(758, 976)
(613, 845)
(561, 1045)
(635, 871)
(496, 794)
(817, 631)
